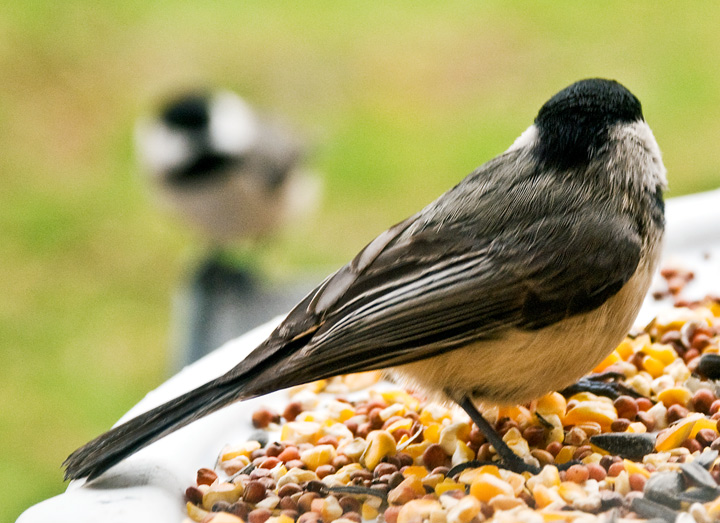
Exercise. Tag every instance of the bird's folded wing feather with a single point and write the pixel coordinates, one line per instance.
(407, 297)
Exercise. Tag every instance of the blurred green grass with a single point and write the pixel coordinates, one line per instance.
(400, 100)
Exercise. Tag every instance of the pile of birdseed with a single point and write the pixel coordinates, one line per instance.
(651, 453)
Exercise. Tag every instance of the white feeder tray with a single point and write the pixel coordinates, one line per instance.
(149, 486)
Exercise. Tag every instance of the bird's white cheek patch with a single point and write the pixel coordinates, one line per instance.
(233, 126)
(526, 139)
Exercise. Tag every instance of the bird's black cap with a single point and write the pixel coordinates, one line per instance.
(190, 112)
(574, 123)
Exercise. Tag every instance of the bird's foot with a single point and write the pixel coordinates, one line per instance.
(598, 384)
(508, 459)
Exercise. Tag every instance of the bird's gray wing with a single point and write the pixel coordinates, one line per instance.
(407, 297)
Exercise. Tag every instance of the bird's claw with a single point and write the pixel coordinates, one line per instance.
(596, 384)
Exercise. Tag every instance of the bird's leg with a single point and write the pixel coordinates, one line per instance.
(509, 459)
(596, 384)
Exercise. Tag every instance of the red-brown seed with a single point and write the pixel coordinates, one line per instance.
(288, 489)
(534, 435)
(288, 503)
(274, 449)
(620, 425)
(349, 504)
(434, 456)
(376, 422)
(596, 472)
(690, 355)
(206, 476)
(305, 501)
(194, 495)
(637, 482)
(353, 516)
(270, 463)
(643, 404)
(692, 445)
(616, 468)
(582, 452)
(554, 447)
(254, 492)
(626, 407)
(577, 474)
(324, 470)
(405, 459)
(476, 436)
(292, 411)
(340, 461)
(391, 513)
(706, 436)
(700, 341)
(259, 515)
(309, 517)
(240, 509)
(383, 469)
(702, 400)
(715, 407)
(292, 514)
(675, 413)
(262, 417)
(328, 440)
(646, 419)
(289, 454)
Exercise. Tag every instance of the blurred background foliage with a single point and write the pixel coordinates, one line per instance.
(399, 100)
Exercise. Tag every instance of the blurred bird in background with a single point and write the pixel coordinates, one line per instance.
(237, 178)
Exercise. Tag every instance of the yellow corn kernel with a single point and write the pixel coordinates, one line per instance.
(584, 396)
(317, 456)
(331, 509)
(369, 510)
(415, 470)
(296, 475)
(340, 411)
(597, 411)
(396, 409)
(417, 510)
(637, 428)
(432, 432)
(405, 423)
(653, 366)
(665, 353)
(635, 468)
(447, 485)
(571, 491)
(380, 444)
(195, 513)
(229, 492)
(549, 476)
(234, 451)
(611, 358)
(675, 396)
(451, 434)
(565, 454)
(300, 432)
(713, 510)
(416, 449)
(467, 476)
(400, 396)
(553, 403)
(486, 486)
(544, 496)
(703, 423)
(464, 511)
(434, 413)
(625, 350)
(462, 454)
(413, 483)
(284, 518)
(673, 437)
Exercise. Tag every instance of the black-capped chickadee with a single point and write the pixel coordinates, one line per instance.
(226, 170)
(515, 282)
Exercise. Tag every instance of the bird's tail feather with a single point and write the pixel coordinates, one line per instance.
(113, 446)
